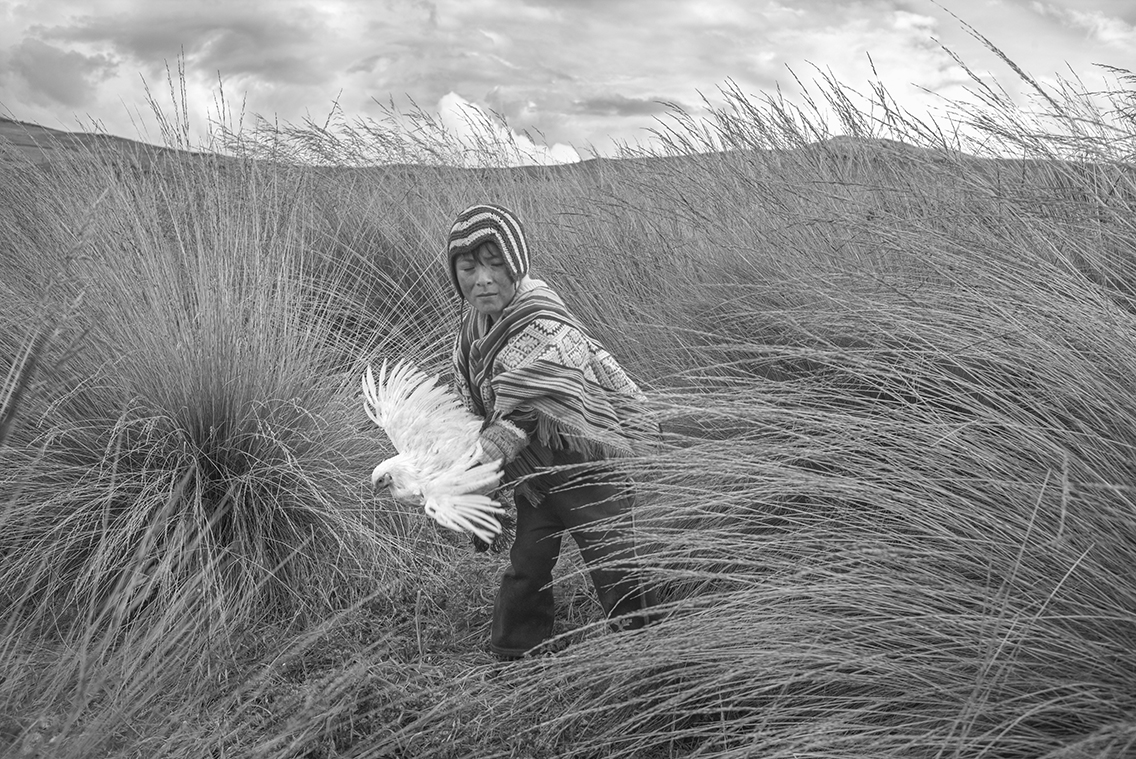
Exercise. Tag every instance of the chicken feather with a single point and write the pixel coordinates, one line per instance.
(436, 440)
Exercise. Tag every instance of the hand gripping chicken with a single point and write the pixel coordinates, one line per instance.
(437, 446)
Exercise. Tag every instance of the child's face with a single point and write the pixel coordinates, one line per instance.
(484, 280)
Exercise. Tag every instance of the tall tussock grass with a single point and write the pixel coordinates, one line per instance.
(194, 469)
(891, 513)
(895, 512)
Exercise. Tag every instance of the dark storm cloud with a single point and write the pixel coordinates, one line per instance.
(52, 74)
(619, 105)
(367, 65)
(275, 47)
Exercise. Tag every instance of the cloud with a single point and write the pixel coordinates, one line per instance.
(370, 64)
(1096, 25)
(579, 72)
(620, 105)
(51, 74)
(483, 138)
(236, 40)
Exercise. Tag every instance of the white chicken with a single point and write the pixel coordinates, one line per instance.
(436, 439)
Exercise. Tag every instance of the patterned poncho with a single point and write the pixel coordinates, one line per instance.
(536, 366)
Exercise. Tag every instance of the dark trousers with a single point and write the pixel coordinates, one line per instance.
(524, 611)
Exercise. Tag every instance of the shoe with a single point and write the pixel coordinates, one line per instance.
(548, 648)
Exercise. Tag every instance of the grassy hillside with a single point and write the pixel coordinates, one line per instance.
(893, 515)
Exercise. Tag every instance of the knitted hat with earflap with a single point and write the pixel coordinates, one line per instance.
(483, 222)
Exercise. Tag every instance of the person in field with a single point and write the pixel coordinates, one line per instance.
(556, 405)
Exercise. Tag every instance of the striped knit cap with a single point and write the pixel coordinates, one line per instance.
(485, 221)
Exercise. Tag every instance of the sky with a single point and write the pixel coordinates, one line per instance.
(570, 78)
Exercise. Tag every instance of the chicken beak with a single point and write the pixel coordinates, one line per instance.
(381, 484)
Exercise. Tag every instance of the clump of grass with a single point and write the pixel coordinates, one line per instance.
(20, 374)
(197, 466)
